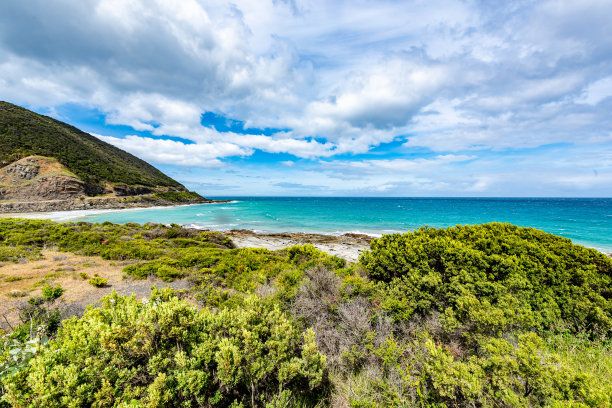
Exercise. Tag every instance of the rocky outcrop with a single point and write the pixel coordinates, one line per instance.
(42, 184)
(121, 190)
(38, 178)
(26, 169)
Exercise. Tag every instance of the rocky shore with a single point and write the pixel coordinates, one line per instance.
(94, 203)
(347, 246)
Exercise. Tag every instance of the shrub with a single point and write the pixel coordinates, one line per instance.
(505, 373)
(178, 196)
(18, 254)
(50, 293)
(166, 353)
(493, 277)
(98, 281)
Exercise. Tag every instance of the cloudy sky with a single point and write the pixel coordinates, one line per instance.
(349, 98)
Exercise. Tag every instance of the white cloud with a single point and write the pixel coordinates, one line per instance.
(339, 77)
(176, 153)
(596, 91)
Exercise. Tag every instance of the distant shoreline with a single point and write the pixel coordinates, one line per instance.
(93, 203)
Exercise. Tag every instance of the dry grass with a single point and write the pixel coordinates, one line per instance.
(65, 269)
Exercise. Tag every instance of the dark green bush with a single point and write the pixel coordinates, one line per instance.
(50, 293)
(493, 277)
(178, 196)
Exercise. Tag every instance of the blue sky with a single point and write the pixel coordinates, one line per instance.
(330, 98)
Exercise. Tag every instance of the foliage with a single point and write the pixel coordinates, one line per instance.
(178, 196)
(98, 281)
(50, 293)
(484, 316)
(16, 254)
(24, 133)
(491, 278)
(17, 353)
(504, 373)
(172, 252)
(582, 354)
(165, 353)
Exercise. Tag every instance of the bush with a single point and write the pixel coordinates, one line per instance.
(50, 293)
(18, 253)
(166, 353)
(178, 196)
(98, 281)
(490, 278)
(504, 374)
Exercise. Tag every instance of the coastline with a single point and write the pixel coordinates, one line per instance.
(285, 222)
(93, 203)
(347, 246)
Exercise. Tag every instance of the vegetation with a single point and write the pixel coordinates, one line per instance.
(493, 278)
(98, 281)
(486, 316)
(24, 133)
(178, 196)
(166, 353)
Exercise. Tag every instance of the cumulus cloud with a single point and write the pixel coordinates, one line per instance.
(459, 79)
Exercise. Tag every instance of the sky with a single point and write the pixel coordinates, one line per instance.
(329, 98)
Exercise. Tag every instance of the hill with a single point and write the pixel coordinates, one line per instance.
(24, 133)
(48, 165)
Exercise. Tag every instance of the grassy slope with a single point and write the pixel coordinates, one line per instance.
(24, 133)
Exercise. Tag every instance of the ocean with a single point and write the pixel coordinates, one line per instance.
(586, 221)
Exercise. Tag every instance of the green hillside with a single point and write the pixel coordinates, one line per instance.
(24, 133)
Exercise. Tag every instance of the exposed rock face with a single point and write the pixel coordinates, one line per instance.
(124, 191)
(52, 188)
(40, 184)
(38, 178)
(23, 170)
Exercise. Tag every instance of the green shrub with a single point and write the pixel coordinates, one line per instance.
(50, 293)
(178, 196)
(18, 253)
(98, 281)
(503, 374)
(166, 353)
(493, 277)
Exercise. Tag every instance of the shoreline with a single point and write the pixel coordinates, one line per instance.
(40, 209)
(347, 246)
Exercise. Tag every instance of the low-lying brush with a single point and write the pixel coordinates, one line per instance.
(476, 316)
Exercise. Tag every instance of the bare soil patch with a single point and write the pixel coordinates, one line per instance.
(20, 281)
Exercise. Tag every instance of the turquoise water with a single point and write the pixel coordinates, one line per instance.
(586, 221)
